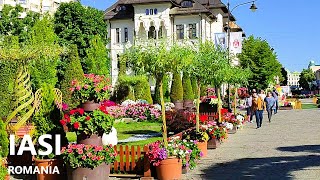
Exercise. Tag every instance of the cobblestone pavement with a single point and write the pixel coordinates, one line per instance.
(286, 148)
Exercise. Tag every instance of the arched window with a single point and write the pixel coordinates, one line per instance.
(152, 33)
(155, 11)
(186, 4)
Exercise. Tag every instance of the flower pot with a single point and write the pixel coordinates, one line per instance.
(233, 130)
(169, 169)
(49, 164)
(98, 173)
(93, 139)
(213, 143)
(178, 105)
(203, 147)
(188, 103)
(90, 105)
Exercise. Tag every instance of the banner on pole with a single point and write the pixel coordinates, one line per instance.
(221, 40)
(235, 42)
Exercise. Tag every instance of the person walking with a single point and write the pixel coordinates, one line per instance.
(257, 108)
(276, 98)
(248, 106)
(270, 104)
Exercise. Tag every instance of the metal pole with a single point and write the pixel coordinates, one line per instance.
(228, 54)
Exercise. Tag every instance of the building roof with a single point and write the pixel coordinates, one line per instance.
(199, 6)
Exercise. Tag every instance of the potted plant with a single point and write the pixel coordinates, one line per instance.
(176, 94)
(88, 161)
(201, 137)
(91, 90)
(193, 155)
(216, 134)
(188, 95)
(89, 126)
(49, 162)
(167, 160)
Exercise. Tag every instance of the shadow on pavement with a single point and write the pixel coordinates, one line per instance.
(265, 168)
(305, 148)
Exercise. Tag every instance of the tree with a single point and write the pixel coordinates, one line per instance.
(76, 24)
(97, 59)
(284, 74)
(176, 88)
(307, 76)
(11, 23)
(262, 62)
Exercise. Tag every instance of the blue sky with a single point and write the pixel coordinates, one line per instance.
(290, 26)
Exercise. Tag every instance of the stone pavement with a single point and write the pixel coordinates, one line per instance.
(286, 148)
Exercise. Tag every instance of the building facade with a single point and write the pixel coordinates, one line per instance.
(316, 69)
(293, 78)
(39, 6)
(188, 21)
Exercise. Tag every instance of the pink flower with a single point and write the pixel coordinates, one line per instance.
(86, 86)
(63, 149)
(78, 88)
(105, 88)
(64, 106)
(71, 89)
(80, 151)
(73, 82)
(84, 157)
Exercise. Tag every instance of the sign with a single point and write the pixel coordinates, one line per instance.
(235, 42)
(220, 40)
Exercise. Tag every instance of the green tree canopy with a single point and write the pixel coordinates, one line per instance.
(262, 62)
(76, 24)
(284, 74)
(307, 76)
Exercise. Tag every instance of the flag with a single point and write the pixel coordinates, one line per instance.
(235, 42)
(221, 40)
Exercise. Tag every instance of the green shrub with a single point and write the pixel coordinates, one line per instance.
(176, 88)
(97, 60)
(132, 87)
(3, 172)
(4, 140)
(142, 90)
(73, 71)
(194, 87)
(203, 90)
(187, 88)
(122, 65)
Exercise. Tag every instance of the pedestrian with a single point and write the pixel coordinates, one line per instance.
(248, 105)
(276, 98)
(257, 108)
(270, 103)
(262, 94)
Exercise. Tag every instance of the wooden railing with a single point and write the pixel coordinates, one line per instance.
(131, 162)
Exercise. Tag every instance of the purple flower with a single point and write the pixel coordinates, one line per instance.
(64, 106)
(201, 154)
(187, 165)
(163, 154)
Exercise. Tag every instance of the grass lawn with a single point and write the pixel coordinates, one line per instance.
(309, 106)
(126, 130)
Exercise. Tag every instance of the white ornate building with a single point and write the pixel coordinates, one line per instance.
(293, 78)
(40, 6)
(136, 21)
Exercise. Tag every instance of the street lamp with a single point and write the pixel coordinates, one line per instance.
(253, 8)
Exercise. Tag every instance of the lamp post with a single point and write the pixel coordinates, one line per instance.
(253, 8)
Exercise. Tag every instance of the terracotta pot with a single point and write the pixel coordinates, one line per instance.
(169, 169)
(178, 105)
(49, 164)
(93, 139)
(90, 105)
(188, 103)
(213, 143)
(203, 147)
(98, 173)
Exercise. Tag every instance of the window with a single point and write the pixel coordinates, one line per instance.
(117, 35)
(147, 11)
(152, 33)
(46, 8)
(160, 33)
(192, 31)
(180, 31)
(155, 11)
(186, 4)
(151, 11)
(125, 34)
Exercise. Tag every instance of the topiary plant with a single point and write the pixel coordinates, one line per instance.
(73, 71)
(187, 88)
(176, 88)
(142, 89)
(194, 87)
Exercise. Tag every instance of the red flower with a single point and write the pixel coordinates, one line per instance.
(204, 118)
(81, 111)
(76, 125)
(88, 118)
(72, 112)
(63, 122)
(66, 117)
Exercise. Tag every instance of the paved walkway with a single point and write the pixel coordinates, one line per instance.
(286, 148)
